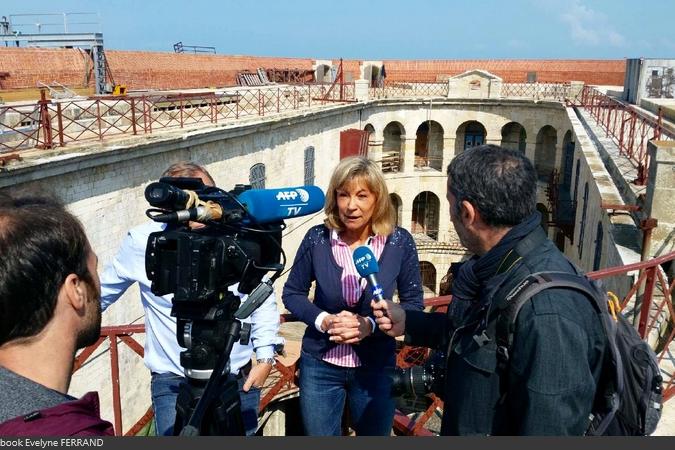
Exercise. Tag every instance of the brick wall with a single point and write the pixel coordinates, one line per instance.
(142, 70)
(27, 66)
(164, 70)
(513, 71)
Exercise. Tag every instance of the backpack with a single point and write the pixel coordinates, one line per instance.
(628, 399)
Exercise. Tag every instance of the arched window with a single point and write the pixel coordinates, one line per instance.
(425, 214)
(469, 134)
(568, 159)
(582, 225)
(397, 204)
(429, 146)
(392, 147)
(576, 181)
(598, 247)
(309, 166)
(514, 136)
(256, 176)
(428, 272)
(544, 152)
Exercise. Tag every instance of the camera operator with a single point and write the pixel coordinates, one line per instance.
(49, 308)
(161, 347)
(556, 358)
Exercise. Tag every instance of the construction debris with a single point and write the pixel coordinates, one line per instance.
(264, 77)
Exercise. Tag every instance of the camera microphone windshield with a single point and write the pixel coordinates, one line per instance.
(274, 205)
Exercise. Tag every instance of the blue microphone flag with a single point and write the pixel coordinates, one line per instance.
(365, 261)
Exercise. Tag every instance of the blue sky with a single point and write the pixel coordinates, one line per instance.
(378, 29)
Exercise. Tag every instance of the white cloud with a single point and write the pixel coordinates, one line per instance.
(590, 27)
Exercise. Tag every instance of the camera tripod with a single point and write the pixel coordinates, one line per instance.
(208, 401)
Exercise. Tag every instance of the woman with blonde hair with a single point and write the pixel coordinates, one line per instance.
(344, 355)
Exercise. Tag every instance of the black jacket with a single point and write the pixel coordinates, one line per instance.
(555, 362)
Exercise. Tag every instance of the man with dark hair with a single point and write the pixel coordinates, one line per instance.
(549, 384)
(162, 352)
(49, 308)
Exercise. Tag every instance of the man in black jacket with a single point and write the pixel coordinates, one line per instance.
(548, 385)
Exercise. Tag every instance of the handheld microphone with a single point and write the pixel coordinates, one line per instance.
(367, 267)
(274, 205)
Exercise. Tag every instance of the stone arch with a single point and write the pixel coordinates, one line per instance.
(469, 134)
(514, 136)
(429, 145)
(428, 272)
(370, 129)
(544, 152)
(392, 147)
(568, 159)
(426, 208)
(397, 203)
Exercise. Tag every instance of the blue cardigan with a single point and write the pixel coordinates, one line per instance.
(314, 261)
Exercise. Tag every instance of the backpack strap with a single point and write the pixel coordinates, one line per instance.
(528, 288)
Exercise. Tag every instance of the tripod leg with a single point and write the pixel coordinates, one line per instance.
(188, 396)
(225, 418)
(222, 416)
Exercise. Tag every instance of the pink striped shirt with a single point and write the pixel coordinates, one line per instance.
(343, 355)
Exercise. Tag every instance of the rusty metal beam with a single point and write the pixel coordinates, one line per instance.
(4, 159)
(632, 208)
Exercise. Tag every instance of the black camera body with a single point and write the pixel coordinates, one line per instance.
(198, 265)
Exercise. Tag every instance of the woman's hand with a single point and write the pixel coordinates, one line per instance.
(349, 328)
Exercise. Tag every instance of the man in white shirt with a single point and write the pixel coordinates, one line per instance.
(161, 347)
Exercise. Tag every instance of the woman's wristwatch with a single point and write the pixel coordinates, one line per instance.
(271, 361)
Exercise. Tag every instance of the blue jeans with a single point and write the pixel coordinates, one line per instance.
(324, 388)
(164, 389)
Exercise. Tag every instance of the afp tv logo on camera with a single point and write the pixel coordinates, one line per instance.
(299, 193)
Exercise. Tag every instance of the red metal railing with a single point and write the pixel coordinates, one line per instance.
(397, 89)
(49, 124)
(656, 306)
(657, 296)
(114, 334)
(655, 300)
(629, 128)
(538, 91)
